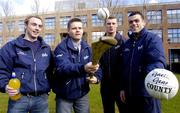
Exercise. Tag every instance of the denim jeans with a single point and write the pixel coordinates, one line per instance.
(80, 105)
(29, 104)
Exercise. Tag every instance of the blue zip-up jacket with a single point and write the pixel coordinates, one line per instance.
(110, 64)
(32, 69)
(140, 56)
(70, 82)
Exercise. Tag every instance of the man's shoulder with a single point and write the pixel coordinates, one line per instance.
(152, 36)
(63, 41)
(84, 44)
(62, 45)
(9, 44)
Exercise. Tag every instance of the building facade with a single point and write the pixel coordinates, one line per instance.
(163, 19)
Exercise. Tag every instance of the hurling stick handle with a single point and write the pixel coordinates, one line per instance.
(92, 74)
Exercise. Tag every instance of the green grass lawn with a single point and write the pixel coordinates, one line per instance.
(168, 106)
(172, 105)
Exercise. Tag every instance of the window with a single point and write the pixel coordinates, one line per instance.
(174, 35)
(11, 26)
(119, 17)
(96, 36)
(173, 16)
(154, 17)
(21, 25)
(174, 55)
(49, 39)
(96, 21)
(121, 32)
(64, 21)
(50, 23)
(84, 19)
(1, 27)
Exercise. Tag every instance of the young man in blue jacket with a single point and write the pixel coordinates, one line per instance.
(142, 53)
(109, 63)
(30, 58)
(72, 67)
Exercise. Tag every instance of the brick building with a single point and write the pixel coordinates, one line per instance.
(163, 19)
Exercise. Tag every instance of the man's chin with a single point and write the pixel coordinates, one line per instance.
(35, 36)
(111, 32)
(135, 31)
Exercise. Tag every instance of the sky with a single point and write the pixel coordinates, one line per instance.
(24, 7)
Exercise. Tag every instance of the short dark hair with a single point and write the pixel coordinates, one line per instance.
(73, 20)
(135, 13)
(26, 21)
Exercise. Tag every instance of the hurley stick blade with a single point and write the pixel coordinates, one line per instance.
(99, 47)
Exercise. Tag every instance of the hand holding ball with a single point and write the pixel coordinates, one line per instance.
(103, 13)
(161, 84)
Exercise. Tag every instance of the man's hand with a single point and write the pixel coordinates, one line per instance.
(89, 68)
(122, 96)
(10, 91)
(92, 80)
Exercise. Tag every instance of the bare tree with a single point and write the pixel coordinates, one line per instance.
(0, 15)
(35, 7)
(8, 15)
(7, 8)
(112, 5)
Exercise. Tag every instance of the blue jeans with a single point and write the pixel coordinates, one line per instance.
(80, 105)
(29, 104)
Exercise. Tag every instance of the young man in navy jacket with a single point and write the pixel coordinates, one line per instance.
(30, 58)
(72, 68)
(110, 64)
(142, 53)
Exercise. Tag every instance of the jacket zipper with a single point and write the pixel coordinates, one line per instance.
(79, 60)
(130, 71)
(109, 67)
(35, 85)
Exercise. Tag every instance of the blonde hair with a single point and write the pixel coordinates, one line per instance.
(26, 21)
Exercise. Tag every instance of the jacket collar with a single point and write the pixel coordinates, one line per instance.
(137, 36)
(20, 41)
(118, 36)
(70, 44)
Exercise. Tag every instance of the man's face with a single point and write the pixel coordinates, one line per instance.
(136, 23)
(76, 30)
(34, 27)
(111, 26)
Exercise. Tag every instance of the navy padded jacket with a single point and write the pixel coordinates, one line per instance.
(140, 56)
(32, 69)
(70, 81)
